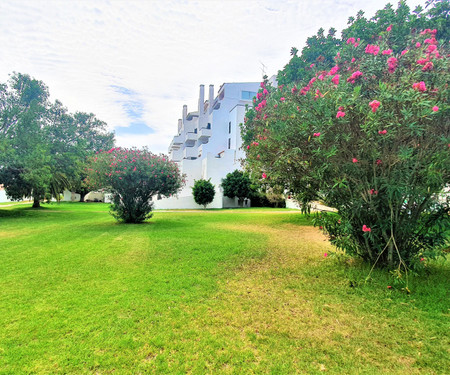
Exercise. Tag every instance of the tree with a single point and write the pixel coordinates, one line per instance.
(134, 177)
(237, 184)
(44, 147)
(370, 136)
(203, 192)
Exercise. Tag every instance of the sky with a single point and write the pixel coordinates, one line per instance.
(134, 63)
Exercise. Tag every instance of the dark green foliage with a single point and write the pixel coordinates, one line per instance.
(203, 192)
(237, 184)
(42, 146)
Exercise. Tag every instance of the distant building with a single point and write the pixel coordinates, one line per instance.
(208, 142)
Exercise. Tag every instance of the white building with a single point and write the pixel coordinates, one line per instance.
(208, 142)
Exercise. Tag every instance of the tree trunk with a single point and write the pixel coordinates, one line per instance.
(82, 195)
(390, 254)
(36, 203)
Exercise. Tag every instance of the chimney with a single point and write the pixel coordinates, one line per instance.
(180, 124)
(184, 112)
(211, 97)
(201, 100)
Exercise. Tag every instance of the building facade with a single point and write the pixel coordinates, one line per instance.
(208, 142)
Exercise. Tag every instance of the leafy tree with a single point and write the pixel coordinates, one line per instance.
(133, 177)
(43, 147)
(237, 184)
(203, 192)
(370, 136)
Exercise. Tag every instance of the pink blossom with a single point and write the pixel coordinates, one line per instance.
(321, 77)
(435, 108)
(353, 59)
(374, 104)
(275, 106)
(418, 45)
(372, 49)
(351, 41)
(333, 70)
(335, 79)
(420, 86)
(354, 160)
(422, 61)
(422, 259)
(428, 66)
(403, 52)
(379, 162)
(265, 92)
(392, 64)
(365, 228)
(298, 108)
(316, 134)
(340, 114)
(294, 90)
(387, 52)
(264, 176)
(311, 66)
(382, 132)
(248, 147)
(431, 48)
(282, 99)
(389, 28)
(325, 255)
(354, 76)
(373, 192)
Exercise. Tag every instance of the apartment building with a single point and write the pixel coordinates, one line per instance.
(208, 142)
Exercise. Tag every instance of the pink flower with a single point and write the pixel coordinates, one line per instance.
(354, 160)
(333, 70)
(374, 104)
(321, 77)
(389, 287)
(282, 99)
(379, 162)
(354, 76)
(420, 86)
(387, 52)
(372, 49)
(422, 259)
(365, 228)
(353, 59)
(248, 147)
(392, 64)
(335, 79)
(265, 92)
(351, 41)
(428, 66)
(403, 52)
(382, 132)
(264, 176)
(389, 28)
(275, 106)
(418, 45)
(340, 114)
(435, 108)
(298, 108)
(311, 66)
(325, 255)
(316, 135)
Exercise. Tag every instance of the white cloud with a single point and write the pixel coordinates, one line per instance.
(161, 50)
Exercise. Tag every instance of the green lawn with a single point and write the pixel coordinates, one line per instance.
(206, 292)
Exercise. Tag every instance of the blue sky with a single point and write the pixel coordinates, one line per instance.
(135, 63)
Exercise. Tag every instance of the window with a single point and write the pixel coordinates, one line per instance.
(229, 143)
(195, 131)
(248, 95)
(209, 126)
(229, 127)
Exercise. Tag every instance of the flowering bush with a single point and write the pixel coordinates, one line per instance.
(370, 136)
(133, 177)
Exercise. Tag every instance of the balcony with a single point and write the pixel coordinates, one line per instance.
(204, 134)
(176, 155)
(190, 139)
(177, 140)
(190, 153)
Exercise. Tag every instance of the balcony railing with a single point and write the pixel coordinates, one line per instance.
(204, 134)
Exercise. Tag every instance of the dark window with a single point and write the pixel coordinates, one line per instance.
(229, 143)
(229, 127)
(209, 126)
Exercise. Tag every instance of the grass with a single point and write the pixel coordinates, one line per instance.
(214, 292)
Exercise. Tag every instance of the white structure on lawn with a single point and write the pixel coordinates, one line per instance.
(208, 142)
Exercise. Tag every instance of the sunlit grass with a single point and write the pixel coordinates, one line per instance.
(230, 291)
